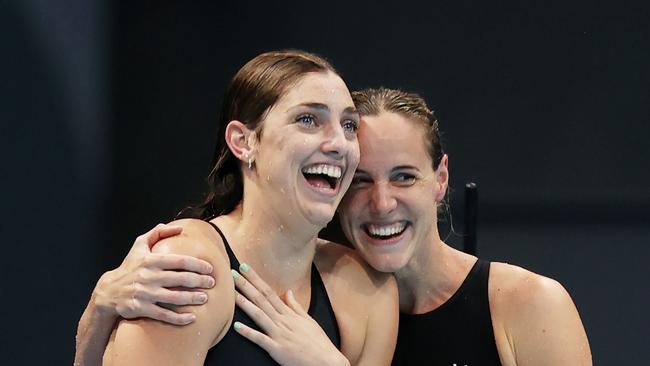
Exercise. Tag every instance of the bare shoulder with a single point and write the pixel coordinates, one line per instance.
(198, 239)
(338, 260)
(518, 286)
(146, 341)
(535, 319)
(365, 303)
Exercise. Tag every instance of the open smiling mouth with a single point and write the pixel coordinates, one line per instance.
(385, 231)
(323, 176)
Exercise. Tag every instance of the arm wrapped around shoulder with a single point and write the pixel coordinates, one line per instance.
(150, 342)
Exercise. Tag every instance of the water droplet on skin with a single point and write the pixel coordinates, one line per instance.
(281, 228)
(282, 190)
(268, 178)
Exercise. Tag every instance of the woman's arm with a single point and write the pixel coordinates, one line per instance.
(553, 334)
(542, 324)
(145, 341)
(134, 289)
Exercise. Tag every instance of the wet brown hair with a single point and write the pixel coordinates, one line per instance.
(371, 102)
(252, 92)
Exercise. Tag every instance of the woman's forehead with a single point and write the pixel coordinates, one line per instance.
(317, 87)
(390, 139)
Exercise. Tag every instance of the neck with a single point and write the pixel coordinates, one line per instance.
(432, 276)
(280, 249)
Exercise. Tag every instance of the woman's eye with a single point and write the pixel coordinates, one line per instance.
(404, 179)
(307, 120)
(359, 181)
(350, 126)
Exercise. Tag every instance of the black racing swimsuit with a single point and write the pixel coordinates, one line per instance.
(234, 349)
(459, 332)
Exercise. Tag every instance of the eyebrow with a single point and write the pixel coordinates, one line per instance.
(405, 167)
(399, 167)
(314, 105)
(350, 110)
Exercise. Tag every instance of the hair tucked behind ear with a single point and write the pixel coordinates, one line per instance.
(255, 88)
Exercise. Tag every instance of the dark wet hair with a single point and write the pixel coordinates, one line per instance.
(371, 102)
(252, 92)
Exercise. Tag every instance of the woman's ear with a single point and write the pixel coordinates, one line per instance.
(442, 178)
(239, 139)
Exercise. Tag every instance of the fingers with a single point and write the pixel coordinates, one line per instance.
(179, 262)
(259, 317)
(255, 289)
(153, 293)
(161, 231)
(255, 336)
(253, 295)
(175, 297)
(165, 315)
(183, 279)
(295, 305)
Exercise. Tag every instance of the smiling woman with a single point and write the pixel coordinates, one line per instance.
(289, 155)
(456, 309)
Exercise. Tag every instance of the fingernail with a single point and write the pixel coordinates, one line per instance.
(237, 325)
(211, 282)
(234, 273)
(244, 267)
(203, 297)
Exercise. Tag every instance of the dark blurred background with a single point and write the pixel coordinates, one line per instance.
(108, 113)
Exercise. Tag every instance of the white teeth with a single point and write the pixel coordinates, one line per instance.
(386, 230)
(329, 170)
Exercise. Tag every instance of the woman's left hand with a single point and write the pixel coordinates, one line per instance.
(290, 335)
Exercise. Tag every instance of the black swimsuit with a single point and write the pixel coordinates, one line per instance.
(234, 349)
(459, 332)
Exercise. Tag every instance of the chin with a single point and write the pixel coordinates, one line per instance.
(320, 216)
(387, 263)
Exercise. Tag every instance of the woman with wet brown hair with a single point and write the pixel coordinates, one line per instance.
(288, 156)
(454, 307)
